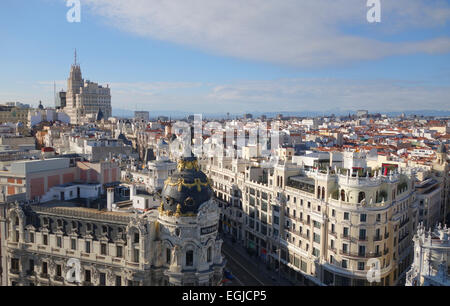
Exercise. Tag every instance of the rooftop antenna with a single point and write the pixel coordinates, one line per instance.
(75, 56)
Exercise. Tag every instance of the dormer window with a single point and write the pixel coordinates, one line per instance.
(189, 202)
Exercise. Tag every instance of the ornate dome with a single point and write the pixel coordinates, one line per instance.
(187, 189)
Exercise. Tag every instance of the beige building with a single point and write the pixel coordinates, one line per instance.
(14, 112)
(85, 98)
(324, 226)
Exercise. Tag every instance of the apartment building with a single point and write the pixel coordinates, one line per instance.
(325, 225)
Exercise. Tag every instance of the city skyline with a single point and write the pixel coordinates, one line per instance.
(400, 64)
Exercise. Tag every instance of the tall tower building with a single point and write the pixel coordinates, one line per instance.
(85, 97)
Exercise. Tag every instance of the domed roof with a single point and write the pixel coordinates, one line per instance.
(188, 187)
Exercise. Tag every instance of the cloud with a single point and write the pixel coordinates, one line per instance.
(326, 94)
(291, 32)
(289, 94)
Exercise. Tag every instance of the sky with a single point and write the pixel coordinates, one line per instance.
(232, 56)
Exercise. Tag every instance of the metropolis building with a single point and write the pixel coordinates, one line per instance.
(176, 244)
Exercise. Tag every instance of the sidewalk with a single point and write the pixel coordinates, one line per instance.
(260, 266)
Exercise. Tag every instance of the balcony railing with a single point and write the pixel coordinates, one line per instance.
(59, 278)
(386, 235)
(359, 255)
(377, 238)
(14, 271)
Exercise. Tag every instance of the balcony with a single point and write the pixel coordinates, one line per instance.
(14, 271)
(334, 234)
(59, 278)
(360, 255)
(362, 238)
(386, 235)
(346, 237)
(44, 275)
(385, 251)
(30, 273)
(377, 238)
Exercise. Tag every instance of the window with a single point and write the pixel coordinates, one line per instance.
(73, 244)
(361, 265)
(209, 255)
(344, 248)
(276, 220)
(362, 234)
(31, 266)
(32, 237)
(88, 247)
(15, 264)
(361, 250)
(58, 270)
(363, 218)
(119, 251)
(346, 216)
(168, 259)
(333, 213)
(345, 231)
(87, 276)
(136, 255)
(303, 266)
(59, 242)
(316, 238)
(118, 280)
(344, 263)
(378, 217)
(316, 252)
(189, 258)
(44, 268)
(316, 224)
(45, 240)
(102, 279)
(103, 248)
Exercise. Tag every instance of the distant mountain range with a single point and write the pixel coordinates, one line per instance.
(181, 114)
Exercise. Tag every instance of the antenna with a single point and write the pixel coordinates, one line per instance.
(75, 56)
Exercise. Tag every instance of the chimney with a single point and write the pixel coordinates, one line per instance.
(110, 199)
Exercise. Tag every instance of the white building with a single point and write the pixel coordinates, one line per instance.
(431, 266)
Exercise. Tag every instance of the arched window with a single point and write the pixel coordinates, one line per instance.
(361, 196)
(17, 221)
(190, 258)
(168, 258)
(209, 255)
(318, 192)
(343, 195)
(323, 193)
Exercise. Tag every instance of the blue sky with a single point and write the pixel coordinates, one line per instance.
(236, 56)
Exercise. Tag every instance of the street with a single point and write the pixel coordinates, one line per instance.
(248, 271)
